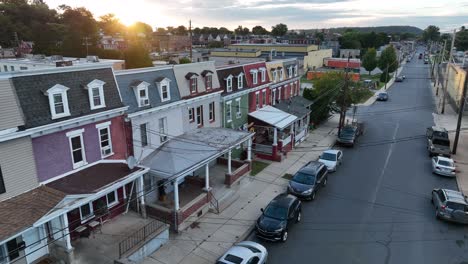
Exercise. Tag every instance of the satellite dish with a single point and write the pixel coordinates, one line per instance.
(131, 162)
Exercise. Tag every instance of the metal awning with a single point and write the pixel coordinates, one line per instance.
(274, 117)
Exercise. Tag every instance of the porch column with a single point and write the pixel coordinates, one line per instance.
(207, 178)
(249, 149)
(142, 196)
(176, 195)
(275, 137)
(229, 162)
(66, 229)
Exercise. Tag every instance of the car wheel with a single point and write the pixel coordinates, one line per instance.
(284, 236)
(298, 218)
(325, 181)
(312, 196)
(437, 213)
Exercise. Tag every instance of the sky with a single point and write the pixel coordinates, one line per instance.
(297, 14)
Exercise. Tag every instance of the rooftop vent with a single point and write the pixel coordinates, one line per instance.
(92, 58)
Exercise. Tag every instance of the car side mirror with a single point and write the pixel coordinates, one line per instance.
(261, 209)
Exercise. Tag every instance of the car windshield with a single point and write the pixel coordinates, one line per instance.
(382, 94)
(276, 212)
(233, 259)
(253, 249)
(441, 142)
(304, 178)
(441, 134)
(328, 156)
(445, 163)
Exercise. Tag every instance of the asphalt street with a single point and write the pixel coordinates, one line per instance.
(376, 208)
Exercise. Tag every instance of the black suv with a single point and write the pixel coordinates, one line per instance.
(306, 182)
(277, 217)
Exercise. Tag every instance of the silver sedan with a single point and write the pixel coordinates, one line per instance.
(443, 166)
(245, 252)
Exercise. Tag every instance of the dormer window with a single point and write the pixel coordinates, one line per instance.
(281, 74)
(58, 101)
(290, 72)
(193, 85)
(209, 82)
(141, 93)
(263, 71)
(229, 83)
(275, 76)
(295, 70)
(163, 85)
(240, 81)
(254, 76)
(96, 94)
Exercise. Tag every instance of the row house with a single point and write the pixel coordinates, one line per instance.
(74, 119)
(175, 118)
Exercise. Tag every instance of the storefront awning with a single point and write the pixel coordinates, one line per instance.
(274, 117)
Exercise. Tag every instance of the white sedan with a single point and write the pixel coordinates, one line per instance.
(245, 252)
(443, 166)
(332, 158)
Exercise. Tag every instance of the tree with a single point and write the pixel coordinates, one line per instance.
(223, 30)
(111, 25)
(431, 33)
(140, 30)
(243, 31)
(279, 30)
(369, 61)
(461, 39)
(259, 30)
(388, 60)
(137, 56)
(184, 60)
(320, 36)
(181, 30)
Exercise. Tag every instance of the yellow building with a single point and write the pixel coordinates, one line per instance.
(244, 53)
(314, 59)
(279, 48)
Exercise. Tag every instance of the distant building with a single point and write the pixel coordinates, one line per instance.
(314, 59)
(350, 53)
(112, 43)
(171, 43)
(331, 44)
(273, 51)
(33, 62)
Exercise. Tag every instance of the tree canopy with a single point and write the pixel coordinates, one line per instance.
(461, 39)
(431, 33)
(388, 58)
(279, 30)
(369, 60)
(259, 30)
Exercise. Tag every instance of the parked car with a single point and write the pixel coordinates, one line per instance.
(332, 158)
(443, 166)
(245, 252)
(383, 96)
(308, 180)
(450, 205)
(349, 133)
(438, 142)
(399, 79)
(426, 61)
(278, 217)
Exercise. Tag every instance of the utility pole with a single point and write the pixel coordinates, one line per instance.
(191, 40)
(442, 56)
(87, 44)
(386, 76)
(447, 71)
(460, 114)
(343, 106)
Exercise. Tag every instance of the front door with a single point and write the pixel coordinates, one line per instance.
(15, 251)
(36, 244)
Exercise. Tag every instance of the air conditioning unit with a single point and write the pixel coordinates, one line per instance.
(106, 151)
(144, 102)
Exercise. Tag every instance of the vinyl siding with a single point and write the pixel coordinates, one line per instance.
(18, 167)
(10, 115)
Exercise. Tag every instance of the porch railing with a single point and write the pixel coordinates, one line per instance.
(214, 203)
(139, 236)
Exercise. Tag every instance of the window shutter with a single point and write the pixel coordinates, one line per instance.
(2, 183)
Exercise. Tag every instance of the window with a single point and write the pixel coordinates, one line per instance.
(112, 199)
(77, 148)
(228, 111)
(238, 108)
(164, 93)
(144, 134)
(162, 129)
(22, 68)
(12, 249)
(291, 88)
(212, 111)
(264, 96)
(208, 81)
(229, 83)
(3, 254)
(191, 115)
(273, 101)
(263, 74)
(279, 94)
(281, 74)
(295, 70)
(290, 72)
(5, 68)
(58, 101)
(12, 68)
(255, 76)
(240, 81)
(164, 89)
(105, 139)
(193, 85)
(275, 76)
(2, 183)
(200, 116)
(86, 212)
(257, 100)
(96, 94)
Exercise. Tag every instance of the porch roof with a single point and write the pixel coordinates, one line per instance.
(93, 179)
(21, 212)
(296, 106)
(182, 154)
(273, 116)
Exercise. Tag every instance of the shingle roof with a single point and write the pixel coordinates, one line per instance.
(35, 105)
(128, 95)
(22, 211)
(234, 71)
(296, 106)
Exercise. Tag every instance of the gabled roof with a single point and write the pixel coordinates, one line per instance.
(126, 79)
(205, 72)
(22, 211)
(224, 73)
(30, 90)
(190, 75)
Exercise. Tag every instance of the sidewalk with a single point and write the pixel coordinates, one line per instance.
(372, 100)
(207, 239)
(449, 122)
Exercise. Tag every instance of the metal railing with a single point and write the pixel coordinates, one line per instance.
(214, 203)
(139, 236)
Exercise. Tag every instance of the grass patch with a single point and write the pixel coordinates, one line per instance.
(305, 80)
(364, 96)
(287, 176)
(258, 166)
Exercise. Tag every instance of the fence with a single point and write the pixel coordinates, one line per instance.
(139, 236)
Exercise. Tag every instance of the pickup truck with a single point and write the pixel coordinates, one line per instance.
(438, 142)
(349, 133)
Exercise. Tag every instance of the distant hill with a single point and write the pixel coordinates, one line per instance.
(384, 29)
